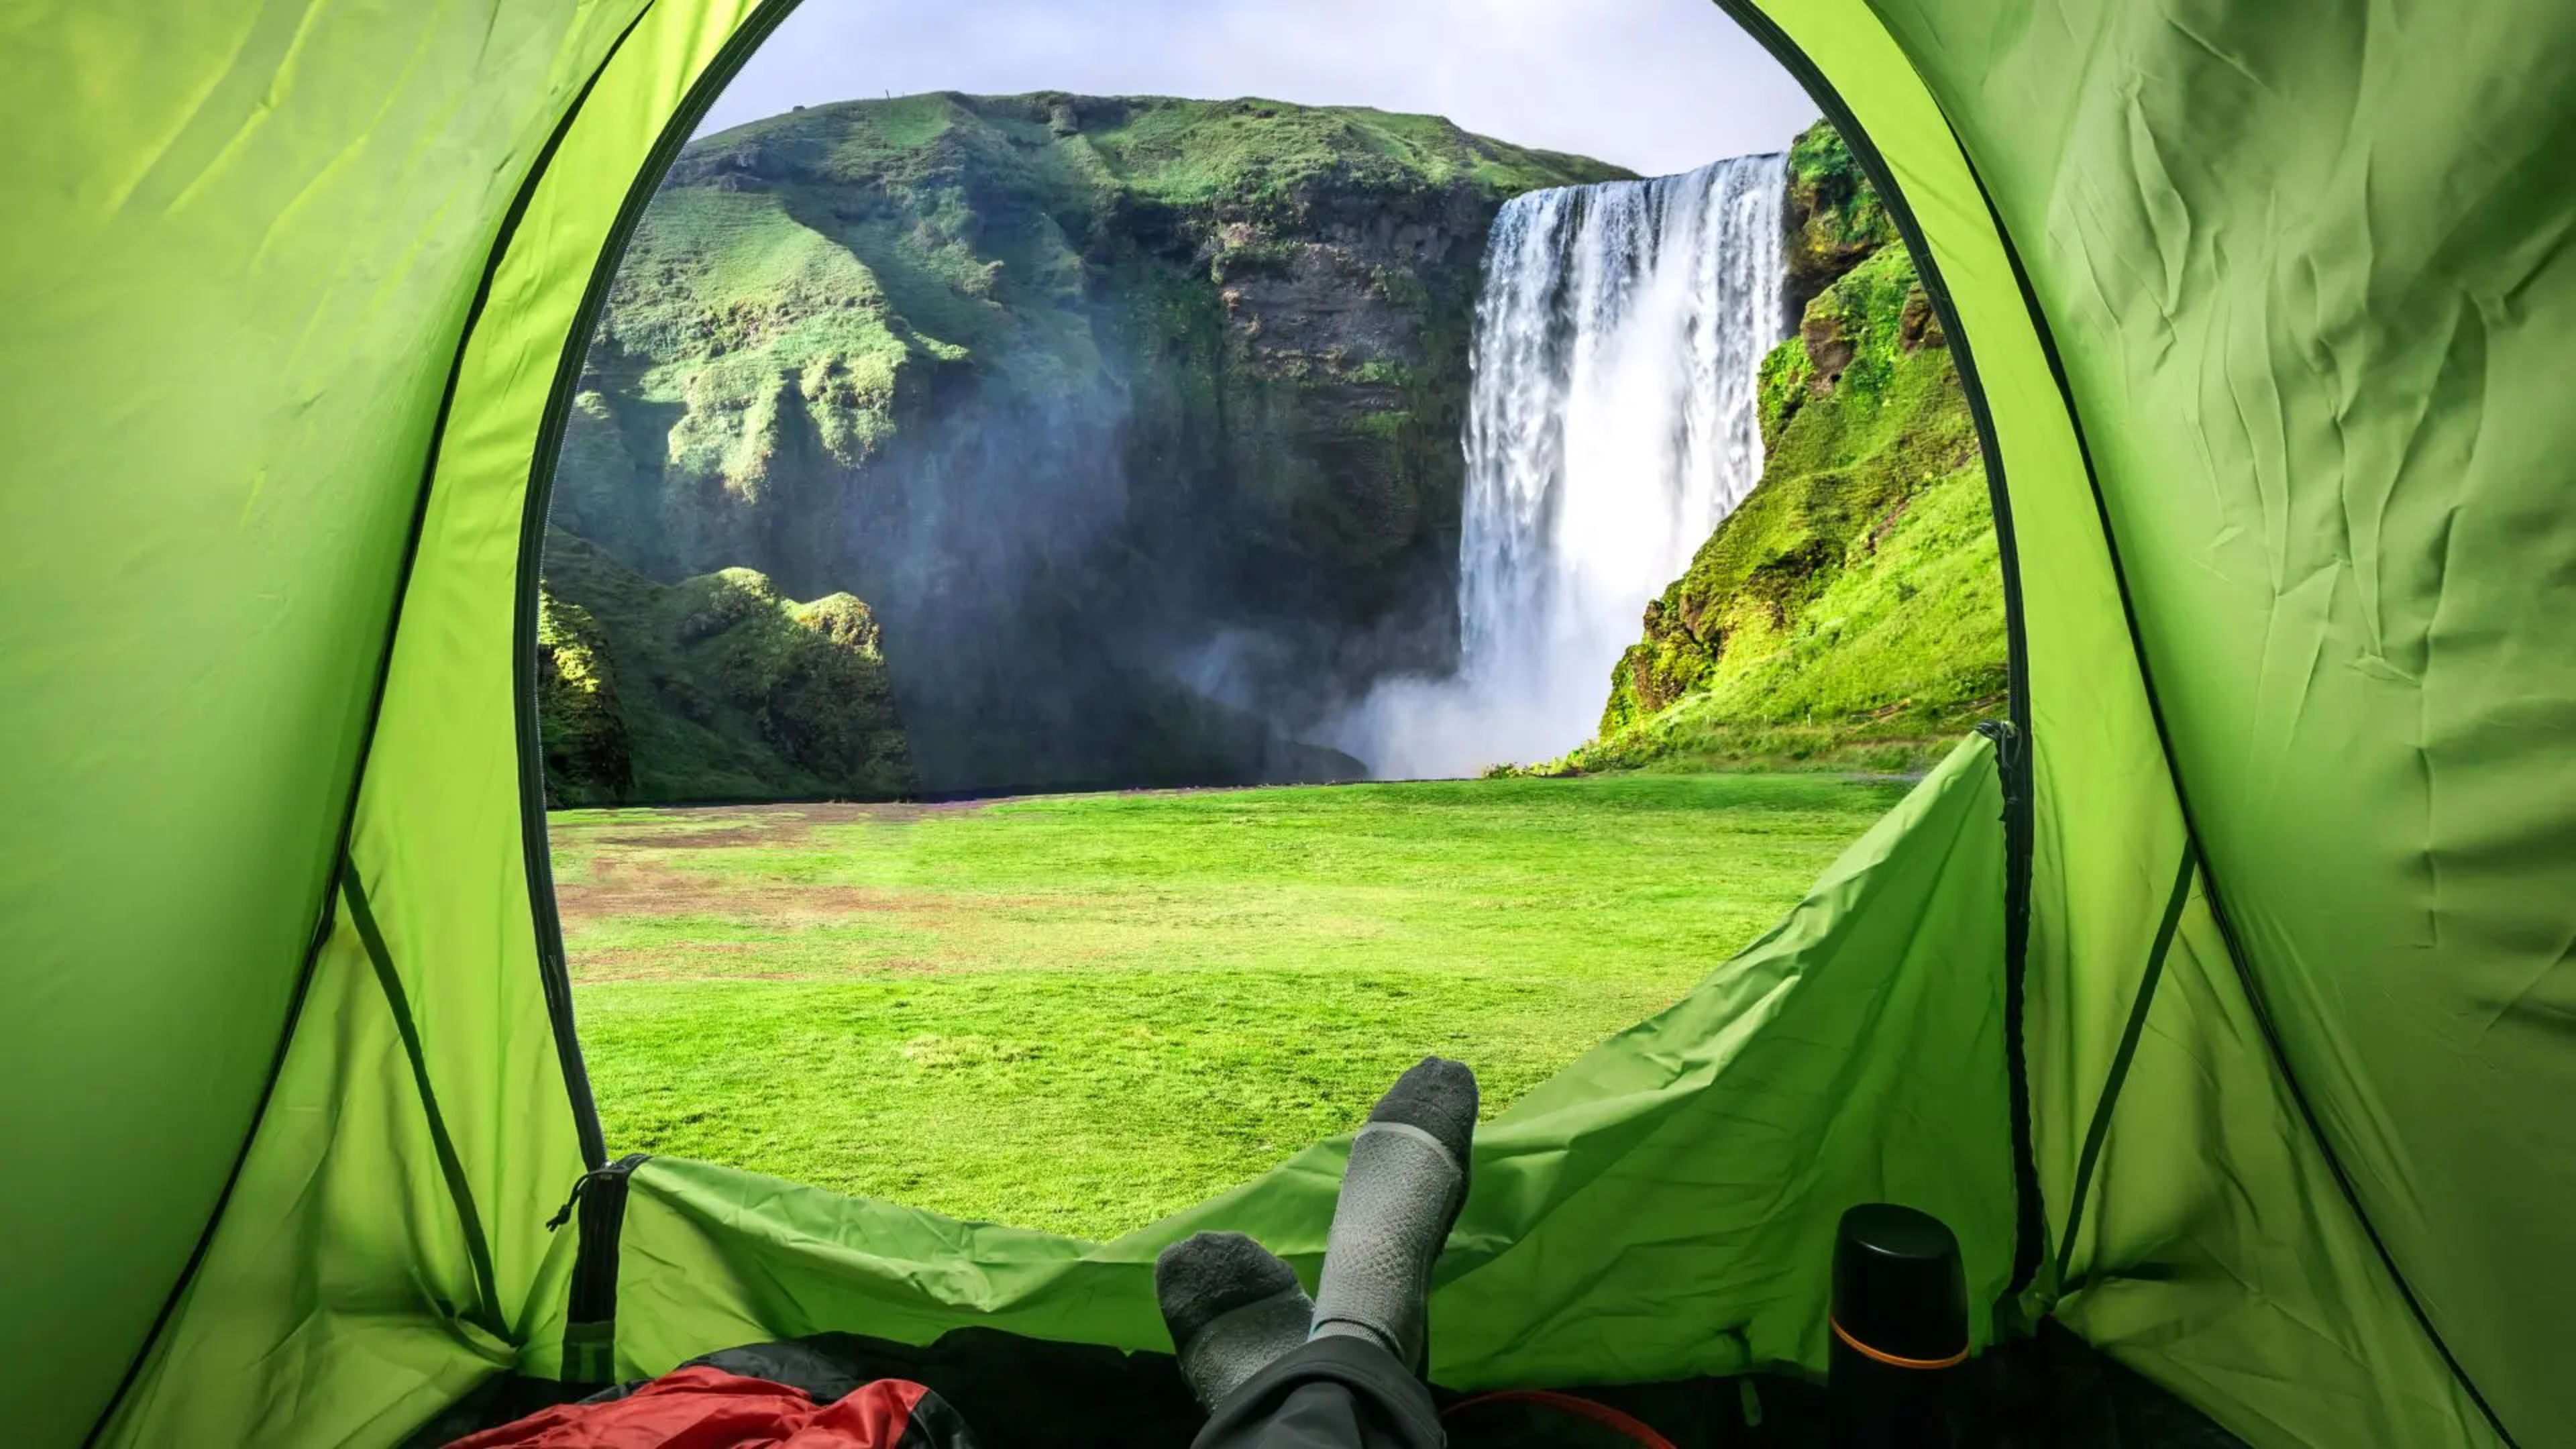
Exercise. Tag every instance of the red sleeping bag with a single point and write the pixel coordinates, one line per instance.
(707, 1408)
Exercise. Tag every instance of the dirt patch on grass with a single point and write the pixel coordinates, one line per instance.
(696, 826)
(750, 961)
(693, 963)
(624, 888)
(696, 839)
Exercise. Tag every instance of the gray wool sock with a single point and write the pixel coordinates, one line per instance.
(1400, 1195)
(1233, 1310)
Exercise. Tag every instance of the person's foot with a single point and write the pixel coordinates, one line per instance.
(1401, 1194)
(1233, 1310)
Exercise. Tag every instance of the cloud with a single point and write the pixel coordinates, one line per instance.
(1656, 85)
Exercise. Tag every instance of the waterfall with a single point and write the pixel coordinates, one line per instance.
(1611, 426)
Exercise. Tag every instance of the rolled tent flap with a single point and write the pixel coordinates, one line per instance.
(1664, 1207)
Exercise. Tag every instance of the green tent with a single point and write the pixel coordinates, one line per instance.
(2222, 1002)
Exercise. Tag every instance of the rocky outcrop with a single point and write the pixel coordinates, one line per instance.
(1835, 219)
(1129, 417)
(715, 688)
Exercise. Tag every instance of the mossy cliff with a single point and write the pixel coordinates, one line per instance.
(1835, 219)
(715, 688)
(1134, 420)
(1850, 609)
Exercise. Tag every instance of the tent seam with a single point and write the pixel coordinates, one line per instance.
(478, 1247)
(2117, 1077)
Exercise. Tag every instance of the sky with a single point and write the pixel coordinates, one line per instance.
(1657, 86)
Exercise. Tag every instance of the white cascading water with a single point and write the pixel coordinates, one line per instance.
(1612, 424)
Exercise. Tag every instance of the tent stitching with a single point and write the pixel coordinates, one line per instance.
(2117, 1077)
(478, 1248)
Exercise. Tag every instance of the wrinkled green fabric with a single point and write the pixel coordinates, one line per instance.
(2221, 1259)
(1664, 1207)
(2311, 271)
(241, 242)
(338, 1304)
(316, 212)
(2218, 1256)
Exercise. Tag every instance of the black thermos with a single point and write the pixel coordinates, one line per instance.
(1900, 1328)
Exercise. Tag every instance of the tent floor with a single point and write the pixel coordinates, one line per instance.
(2050, 1390)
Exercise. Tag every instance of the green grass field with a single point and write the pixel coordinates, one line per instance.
(1080, 1013)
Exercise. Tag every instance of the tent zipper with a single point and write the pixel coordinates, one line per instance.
(590, 1317)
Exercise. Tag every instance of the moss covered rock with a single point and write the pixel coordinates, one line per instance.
(729, 691)
(587, 755)
(1835, 218)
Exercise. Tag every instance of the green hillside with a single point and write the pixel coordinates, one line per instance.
(1133, 420)
(1850, 610)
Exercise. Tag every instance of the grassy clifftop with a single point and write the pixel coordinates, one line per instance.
(1850, 610)
(1246, 156)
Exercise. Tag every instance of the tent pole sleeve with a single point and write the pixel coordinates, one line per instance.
(478, 1248)
(2100, 1128)
(541, 887)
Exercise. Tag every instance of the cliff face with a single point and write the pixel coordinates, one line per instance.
(1134, 421)
(1850, 609)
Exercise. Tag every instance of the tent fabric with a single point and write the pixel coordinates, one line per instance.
(2264, 310)
(2311, 279)
(306, 1266)
(2246, 1283)
(243, 240)
(2321, 373)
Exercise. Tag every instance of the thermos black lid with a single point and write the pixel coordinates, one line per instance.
(1900, 1293)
